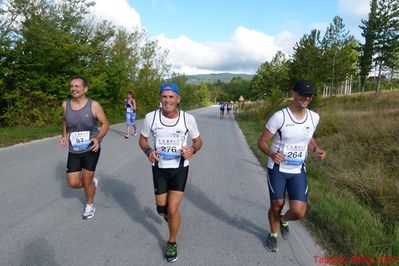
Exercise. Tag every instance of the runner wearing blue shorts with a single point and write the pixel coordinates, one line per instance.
(291, 133)
(130, 105)
(222, 107)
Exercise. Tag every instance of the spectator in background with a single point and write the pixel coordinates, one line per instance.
(130, 104)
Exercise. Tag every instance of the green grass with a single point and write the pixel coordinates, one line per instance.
(354, 193)
(11, 136)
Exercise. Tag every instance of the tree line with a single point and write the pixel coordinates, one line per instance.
(45, 42)
(337, 58)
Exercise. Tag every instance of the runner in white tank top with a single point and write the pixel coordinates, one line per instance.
(169, 153)
(291, 132)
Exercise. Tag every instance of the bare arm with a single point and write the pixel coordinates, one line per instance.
(188, 151)
(264, 147)
(320, 154)
(149, 152)
(64, 138)
(99, 114)
(134, 105)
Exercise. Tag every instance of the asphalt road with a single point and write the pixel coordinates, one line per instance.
(224, 212)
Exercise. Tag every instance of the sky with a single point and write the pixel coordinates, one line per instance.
(234, 36)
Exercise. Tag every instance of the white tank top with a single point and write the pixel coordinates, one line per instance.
(169, 140)
(291, 137)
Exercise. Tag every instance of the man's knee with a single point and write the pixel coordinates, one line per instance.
(276, 206)
(173, 210)
(298, 213)
(74, 183)
(74, 180)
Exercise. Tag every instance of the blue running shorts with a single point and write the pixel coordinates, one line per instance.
(295, 184)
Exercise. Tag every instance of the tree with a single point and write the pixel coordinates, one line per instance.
(339, 55)
(204, 94)
(269, 75)
(305, 63)
(45, 42)
(153, 69)
(237, 87)
(387, 37)
(44, 51)
(367, 49)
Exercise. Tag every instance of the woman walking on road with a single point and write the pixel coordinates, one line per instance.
(130, 104)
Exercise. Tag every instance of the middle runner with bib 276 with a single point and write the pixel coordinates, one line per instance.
(169, 128)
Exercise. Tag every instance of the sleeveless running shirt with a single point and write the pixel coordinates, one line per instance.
(291, 137)
(169, 140)
(129, 108)
(82, 126)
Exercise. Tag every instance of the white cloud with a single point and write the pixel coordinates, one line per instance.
(244, 53)
(354, 9)
(119, 12)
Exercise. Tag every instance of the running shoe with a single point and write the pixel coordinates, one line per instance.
(171, 252)
(89, 211)
(126, 136)
(285, 231)
(135, 134)
(271, 243)
(165, 217)
(95, 181)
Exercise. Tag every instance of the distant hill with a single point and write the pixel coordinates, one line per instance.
(211, 78)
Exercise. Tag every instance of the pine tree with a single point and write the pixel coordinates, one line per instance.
(367, 49)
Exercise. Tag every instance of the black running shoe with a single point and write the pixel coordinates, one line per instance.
(171, 252)
(285, 231)
(271, 243)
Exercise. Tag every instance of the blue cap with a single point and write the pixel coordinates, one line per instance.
(169, 87)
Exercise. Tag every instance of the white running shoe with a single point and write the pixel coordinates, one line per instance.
(89, 211)
(95, 181)
(135, 134)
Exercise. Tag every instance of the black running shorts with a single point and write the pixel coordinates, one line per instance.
(166, 179)
(86, 160)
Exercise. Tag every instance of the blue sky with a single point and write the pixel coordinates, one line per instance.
(204, 36)
(208, 20)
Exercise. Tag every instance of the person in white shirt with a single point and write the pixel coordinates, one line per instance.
(291, 133)
(169, 129)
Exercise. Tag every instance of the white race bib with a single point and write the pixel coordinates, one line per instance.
(80, 140)
(169, 149)
(294, 156)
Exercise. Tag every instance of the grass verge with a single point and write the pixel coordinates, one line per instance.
(11, 136)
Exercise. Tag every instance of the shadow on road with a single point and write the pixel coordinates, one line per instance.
(66, 191)
(199, 199)
(39, 252)
(117, 131)
(123, 194)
